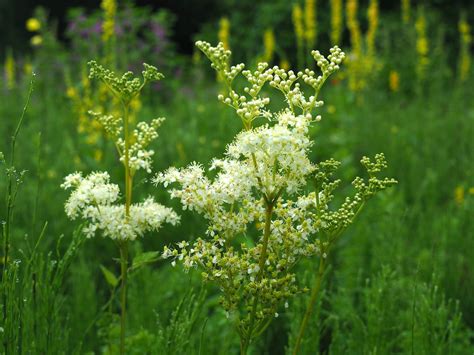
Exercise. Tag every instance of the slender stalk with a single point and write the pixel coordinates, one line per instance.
(245, 342)
(123, 244)
(10, 202)
(311, 303)
(123, 293)
(128, 175)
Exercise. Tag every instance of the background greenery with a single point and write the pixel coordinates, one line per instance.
(401, 278)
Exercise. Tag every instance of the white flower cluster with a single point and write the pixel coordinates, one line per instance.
(268, 160)
(94, 199)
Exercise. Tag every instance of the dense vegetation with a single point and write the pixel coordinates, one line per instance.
(400, 278)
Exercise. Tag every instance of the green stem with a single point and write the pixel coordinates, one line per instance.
(123, 293)
(128, 175)
(311, 303)
(123, 244)
(10, 202)
(245, 342)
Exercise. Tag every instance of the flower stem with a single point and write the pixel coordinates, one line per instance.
(128, 175)
(311, 303)
(245, 342)
(123, 244)
(123, 293)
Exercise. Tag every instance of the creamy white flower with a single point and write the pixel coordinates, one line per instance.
(94, 199)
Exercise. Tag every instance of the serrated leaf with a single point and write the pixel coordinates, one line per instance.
(109, 276)
(145, 258)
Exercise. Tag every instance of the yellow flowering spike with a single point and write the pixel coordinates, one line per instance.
(353, 25)
(406, 8)
(459, 194)
(373, 18)
(422, 45)
(297, 16)
(33, 24)
(108, 26)
(465, 45)
(269, 45)
(310, 19)
(224, 32)
(10, 70)
(355, 64)
(394, 81)
(336, 21)
(36, 40)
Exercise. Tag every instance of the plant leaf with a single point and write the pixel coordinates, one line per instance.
(145, 258)
(109, 276)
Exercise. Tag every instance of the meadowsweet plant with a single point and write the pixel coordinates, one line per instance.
(99, 202)
(268, 205)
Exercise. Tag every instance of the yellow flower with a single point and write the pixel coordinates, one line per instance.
(459, 194)
(285, 64)
(297, 16)
(471, 191)
(373, 17)
(269, 45)
(10, 70)
(298, 22)
(406, 11)
(33, 24)
(394, 81)
(336, 21)
(310, 23)
(108, 26)
(36, 40)
(355, 62)
(422, 46)
(465, 45)
(224, 32)
(71, 92)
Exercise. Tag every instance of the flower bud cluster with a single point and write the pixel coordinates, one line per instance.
(143, 135)
(127, 86)
(250, 107)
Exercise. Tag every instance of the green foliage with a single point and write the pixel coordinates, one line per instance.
(399, 281)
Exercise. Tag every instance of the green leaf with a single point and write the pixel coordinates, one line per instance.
(145, 258)
(109, 276)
